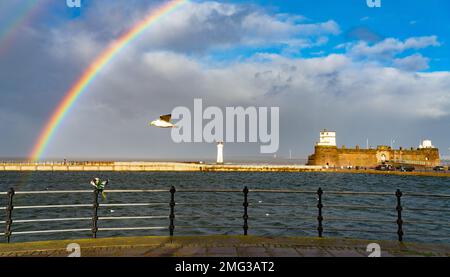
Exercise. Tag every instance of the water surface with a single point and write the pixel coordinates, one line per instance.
(204, 213)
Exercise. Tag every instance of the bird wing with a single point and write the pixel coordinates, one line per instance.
(166, 117)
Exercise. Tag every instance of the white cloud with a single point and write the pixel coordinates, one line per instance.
(325, 91)
(202, 26)
(347, 92)
(414, 62)
(198, 27)
(390, 47)
(386, 52)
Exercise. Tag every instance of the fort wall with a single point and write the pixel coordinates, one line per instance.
(333, 156)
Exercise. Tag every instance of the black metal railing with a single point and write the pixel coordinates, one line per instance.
(396, 221)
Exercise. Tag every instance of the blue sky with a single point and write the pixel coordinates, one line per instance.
(396, 18)
(327, 64)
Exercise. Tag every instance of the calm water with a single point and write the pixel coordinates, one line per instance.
(218, 209)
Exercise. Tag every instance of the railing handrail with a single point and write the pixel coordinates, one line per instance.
(427, 195)
(320, 205)
(359, 193)
(86, 191)
(193, 190)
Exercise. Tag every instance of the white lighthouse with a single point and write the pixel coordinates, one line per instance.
(426, 144)
(327, 138)
(220, 152)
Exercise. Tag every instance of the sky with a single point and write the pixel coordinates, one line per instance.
(377, 74)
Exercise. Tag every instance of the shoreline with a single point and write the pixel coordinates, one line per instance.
(194, 167)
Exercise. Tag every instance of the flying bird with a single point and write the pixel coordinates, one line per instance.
(163, 122)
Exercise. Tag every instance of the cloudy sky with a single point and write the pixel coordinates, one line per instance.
(381, 74)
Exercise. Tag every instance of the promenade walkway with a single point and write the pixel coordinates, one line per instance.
(221, 246)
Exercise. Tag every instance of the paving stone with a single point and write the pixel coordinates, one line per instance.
(222, 252)
(191, 252)
(164, 251)
(232, 247)
(313, 252)
(54, 253)
(253, 252)
(283, 252)
(345, 253)
(387, 254)
(136, 252)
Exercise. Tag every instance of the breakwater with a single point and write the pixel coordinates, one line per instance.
(153, 167)
(192, 167)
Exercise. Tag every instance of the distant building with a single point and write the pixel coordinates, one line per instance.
(220, 152)
(326, 153)
(426, 144)
(327, 138)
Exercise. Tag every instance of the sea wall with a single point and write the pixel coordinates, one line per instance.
(153, 166)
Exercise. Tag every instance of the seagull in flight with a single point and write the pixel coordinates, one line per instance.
(163, 122)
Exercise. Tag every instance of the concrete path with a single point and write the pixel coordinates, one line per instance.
(220, 246)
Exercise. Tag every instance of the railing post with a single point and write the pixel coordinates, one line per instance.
(245, 217)
(172, 210)
(399, 209)
(95, 214)
(320, 217)
(9, 211)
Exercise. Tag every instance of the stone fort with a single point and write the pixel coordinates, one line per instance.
(326, 153)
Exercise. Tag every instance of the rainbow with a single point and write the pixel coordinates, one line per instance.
(24, 15)
(92, 71)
